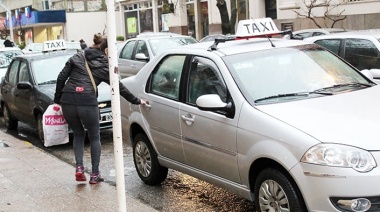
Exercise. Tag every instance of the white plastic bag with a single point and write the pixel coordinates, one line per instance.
(56, 130)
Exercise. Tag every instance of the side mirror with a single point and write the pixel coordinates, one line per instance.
(142, 56)
(375, 73)
(367, 73)
(24, 85)
(212, 102)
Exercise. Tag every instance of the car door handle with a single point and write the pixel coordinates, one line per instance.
(147, 106)
(187, 119)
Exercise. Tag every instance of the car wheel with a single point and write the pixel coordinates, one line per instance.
(275, 192)
(146, 163)
(40, 127)
(10, 122)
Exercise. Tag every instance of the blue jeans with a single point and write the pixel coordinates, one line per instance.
(79, 118)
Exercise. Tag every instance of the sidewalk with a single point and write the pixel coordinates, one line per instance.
(32, 180)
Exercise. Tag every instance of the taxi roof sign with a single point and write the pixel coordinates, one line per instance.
(54, 45)
(256, 27)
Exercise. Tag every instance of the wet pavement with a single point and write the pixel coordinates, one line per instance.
(33, 180)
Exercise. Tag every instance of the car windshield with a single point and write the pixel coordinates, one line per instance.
(46, 70)
(160, 44)
(7, 56)
(287, 74)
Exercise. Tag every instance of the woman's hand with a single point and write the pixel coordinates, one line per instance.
(144, 102)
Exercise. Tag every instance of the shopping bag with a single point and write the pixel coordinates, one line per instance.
(55, 128)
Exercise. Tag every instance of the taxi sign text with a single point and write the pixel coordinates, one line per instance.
(256, 27)
(54, 45)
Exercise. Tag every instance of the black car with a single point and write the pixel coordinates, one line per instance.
(29, 86)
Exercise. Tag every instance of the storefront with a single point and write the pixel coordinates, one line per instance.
(38, 26)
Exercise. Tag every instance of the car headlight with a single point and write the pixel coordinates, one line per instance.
(341, 156)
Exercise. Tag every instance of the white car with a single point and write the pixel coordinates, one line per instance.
(306, 33)
(134, 53)
(360, 48)
(283, 123)
(6, 56)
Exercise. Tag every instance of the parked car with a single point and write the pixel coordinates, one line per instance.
(306, 33)
(32, 48)
(215, 36)
(360, 48)
(136, 52)
(286, 124)
(29, 86)
(6, 56)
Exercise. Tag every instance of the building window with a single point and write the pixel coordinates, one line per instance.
(271, 8)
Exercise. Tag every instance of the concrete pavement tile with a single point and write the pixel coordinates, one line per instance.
(29, 178)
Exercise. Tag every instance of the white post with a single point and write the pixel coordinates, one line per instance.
(10, 19)
(115, 101)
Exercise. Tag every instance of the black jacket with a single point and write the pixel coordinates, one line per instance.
(76, 75)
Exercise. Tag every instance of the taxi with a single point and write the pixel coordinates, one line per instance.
(283, 123)
(29, 85)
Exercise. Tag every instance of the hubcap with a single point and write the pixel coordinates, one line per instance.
(272, 197)
(143, 159)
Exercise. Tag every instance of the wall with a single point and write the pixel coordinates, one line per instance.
(83, 25)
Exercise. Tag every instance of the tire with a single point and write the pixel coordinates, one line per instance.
(40, 128)
(275, 192)
(10, 122)
(146, 163)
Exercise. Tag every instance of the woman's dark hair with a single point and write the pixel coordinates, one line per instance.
(103, 44)
(97, 39)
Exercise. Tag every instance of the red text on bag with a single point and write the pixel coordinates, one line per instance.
(55, 120)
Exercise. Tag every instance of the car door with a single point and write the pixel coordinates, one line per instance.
(9, 85)
(209, 138)
(362, 53)
(24, 94)
(126, 65)
(163, 114)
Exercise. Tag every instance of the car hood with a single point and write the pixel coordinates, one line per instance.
(350, 118)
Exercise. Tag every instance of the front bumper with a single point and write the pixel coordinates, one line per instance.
(320, 185)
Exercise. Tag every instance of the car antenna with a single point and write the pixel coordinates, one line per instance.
(270, 41)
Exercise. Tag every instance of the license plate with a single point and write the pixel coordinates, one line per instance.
(105, 117)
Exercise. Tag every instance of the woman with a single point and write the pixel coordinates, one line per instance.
(79, 102)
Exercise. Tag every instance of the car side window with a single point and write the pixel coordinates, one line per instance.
(141, 48)
(23, 76)
(331, 44)
(12, 76)
(204, 79)
(165, 79)
(362, 54)
(317, 34)
(127, 51)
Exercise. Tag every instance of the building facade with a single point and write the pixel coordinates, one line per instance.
(198, 18)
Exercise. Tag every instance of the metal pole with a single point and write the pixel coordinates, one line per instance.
(10, 19)
(115, 102)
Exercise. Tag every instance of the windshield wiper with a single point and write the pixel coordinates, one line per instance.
(299, 94)
(351, 84)
(48, 82)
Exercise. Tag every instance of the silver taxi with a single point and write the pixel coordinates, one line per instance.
(283, 123)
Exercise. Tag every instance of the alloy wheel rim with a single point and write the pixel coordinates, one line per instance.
(143, 159)
(272, 197)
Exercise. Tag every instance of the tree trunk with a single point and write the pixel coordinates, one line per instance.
(226, 26)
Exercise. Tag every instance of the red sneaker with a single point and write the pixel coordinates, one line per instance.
(95, 178)
(79, 174)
